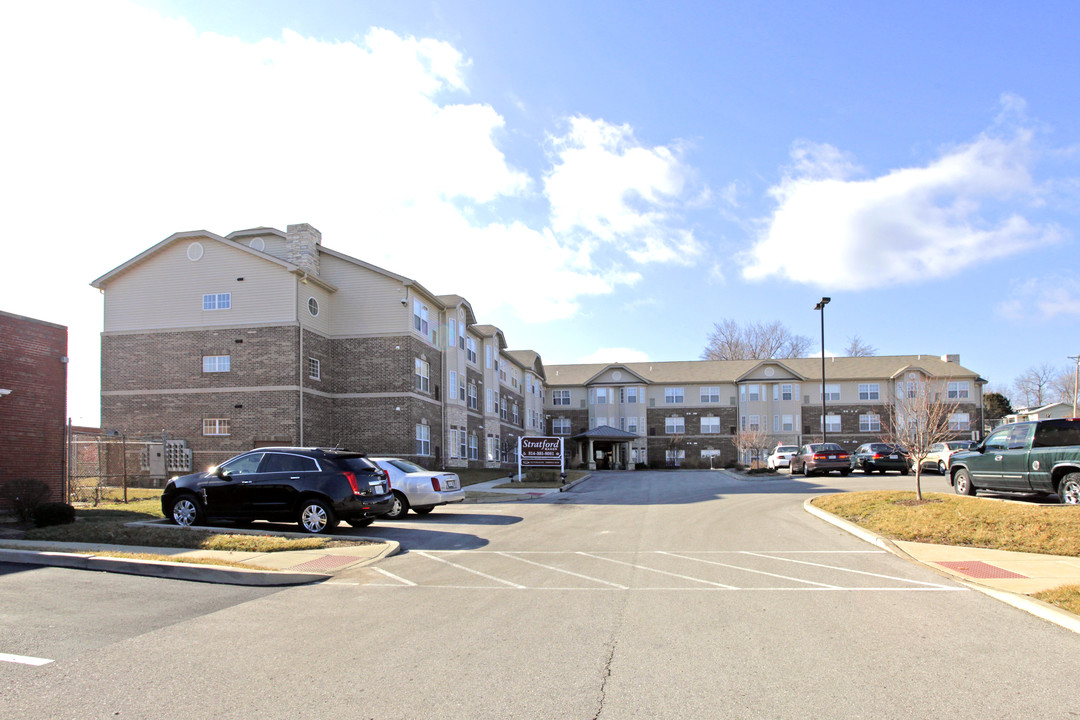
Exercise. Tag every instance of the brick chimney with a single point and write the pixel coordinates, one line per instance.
(301, 244)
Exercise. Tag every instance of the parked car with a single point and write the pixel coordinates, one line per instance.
(781, 456)
(821, 457)
(1041, 457)
(881, 457)
(941, 453)
(314, 487)
(418, 489)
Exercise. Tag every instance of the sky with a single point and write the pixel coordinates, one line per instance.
(602, 180)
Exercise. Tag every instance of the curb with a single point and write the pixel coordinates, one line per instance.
(1029, 605)
(580, 480)
(157, 568)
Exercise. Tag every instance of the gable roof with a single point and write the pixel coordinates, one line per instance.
(529, 359)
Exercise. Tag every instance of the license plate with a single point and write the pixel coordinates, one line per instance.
(892, 457)
(832, 457)
(451, 485)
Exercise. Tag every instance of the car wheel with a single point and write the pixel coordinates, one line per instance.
(186, 511)
(942, 470)
(316, 517)
(422, 510)
(962, 483)
(1069, 489)
(400, 508)
(904, 471)
(866, 470)
(845, 473)
(881, 471)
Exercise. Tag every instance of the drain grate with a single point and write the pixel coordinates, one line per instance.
(327, 562)
(981, 570)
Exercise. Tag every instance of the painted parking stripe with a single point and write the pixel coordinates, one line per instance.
(392, 576)
(568, 572)
(23, 659)
(843, 569)
(662, 572)
(750, 570)
(470, 570)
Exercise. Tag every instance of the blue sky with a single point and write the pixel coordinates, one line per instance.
(602, 180)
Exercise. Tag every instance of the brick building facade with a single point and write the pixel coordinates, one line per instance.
(33, 401)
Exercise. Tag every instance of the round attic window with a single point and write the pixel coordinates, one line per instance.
(257, 244)
(616, 375)
(769, 372)
(194, 251)
(313, 307)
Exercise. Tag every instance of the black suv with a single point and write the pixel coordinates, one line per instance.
(880, 457)
(315, 487)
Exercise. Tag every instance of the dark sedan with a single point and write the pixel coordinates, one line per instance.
(821, 458)
(881, 457)
(314, 487)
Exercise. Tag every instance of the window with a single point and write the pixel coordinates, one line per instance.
(832, 392)
(710, 394)
(515, 416)
(502, 370)
(673, 395)
(451, 333)
(710, 453)
(832, 423)
(753, 393)
(674, 425)
(487, 357)
(216, 363)
(869, 391)
(786, 392)
(281, 462)
(461, 336)
(453, 442)
(958, 390)
(470, 350)
(560, 426)
(313, 307)
(215, 426)
(755, 423)
(492, 448)
(488, 404)
(633, 395)
(422, 375)
(314, 369)
(243, 465)
(462, 444)
(420, 318)
(787, 423)
(959, 421)
(632, 424)
(423, 439)
(560, 397)
(674, 457)
(869, 423)
(474, 447)
(217, 301)
(474, 403)
(453, 385)
(600, 396)
(710, 425)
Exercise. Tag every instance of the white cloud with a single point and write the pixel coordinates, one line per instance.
(910, 225)
(615, 355)
(606, 188)
(1042, 299)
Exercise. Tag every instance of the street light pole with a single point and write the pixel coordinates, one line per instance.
(821, 306)
(1076, 380)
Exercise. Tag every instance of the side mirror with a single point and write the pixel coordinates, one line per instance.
(220, 472)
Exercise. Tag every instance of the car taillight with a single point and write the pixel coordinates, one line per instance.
(842, 456)
(351, 477)
(435, 485)
(820, 456)
(386, 477)
(878, 456)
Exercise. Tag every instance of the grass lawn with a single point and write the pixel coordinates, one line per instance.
(956, 520)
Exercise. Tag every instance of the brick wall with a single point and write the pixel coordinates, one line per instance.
(33, 415)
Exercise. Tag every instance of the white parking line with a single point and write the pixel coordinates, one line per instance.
(23, 659)
(556, 569)
(662, 572)
(843, 569)
(470, 570)
(393, 576)
(749, 570)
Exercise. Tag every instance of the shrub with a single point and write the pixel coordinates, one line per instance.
(53, 513)
(550, 476)
(23, 495)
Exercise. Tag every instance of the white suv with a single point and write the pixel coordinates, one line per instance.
(781, 456)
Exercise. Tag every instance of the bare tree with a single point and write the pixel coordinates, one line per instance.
(1063, 387)
(1033, 386)
(857, 348)
(753, 341)
(920, 416)
(756, 442)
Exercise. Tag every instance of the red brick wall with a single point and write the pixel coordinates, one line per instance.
(33, 415)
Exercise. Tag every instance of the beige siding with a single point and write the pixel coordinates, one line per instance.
(367, 302)
(166, 290)
(322, 322)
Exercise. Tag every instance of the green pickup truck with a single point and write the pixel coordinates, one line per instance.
(1032, 457)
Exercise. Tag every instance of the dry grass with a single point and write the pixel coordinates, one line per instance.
(1066, 597)
(175, 559)
(954, 520)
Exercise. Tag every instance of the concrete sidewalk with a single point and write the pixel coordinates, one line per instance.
(1007, 576)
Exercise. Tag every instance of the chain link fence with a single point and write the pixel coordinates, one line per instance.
(108, 464)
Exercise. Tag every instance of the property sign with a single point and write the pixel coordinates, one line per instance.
(540, 451)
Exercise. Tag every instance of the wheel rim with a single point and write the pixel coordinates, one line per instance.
(1070, 493)
(961, 484)
(184, 512)
(313, 518)
(941, 466)
(396, 508)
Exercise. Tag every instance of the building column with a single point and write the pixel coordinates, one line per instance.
(590, 462)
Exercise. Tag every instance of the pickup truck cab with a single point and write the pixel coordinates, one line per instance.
(1040, 457)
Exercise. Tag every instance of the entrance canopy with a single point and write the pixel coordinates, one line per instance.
(606, 432)
(610, 444)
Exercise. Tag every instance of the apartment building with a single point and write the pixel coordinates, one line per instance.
(687, 414)
(262, 337)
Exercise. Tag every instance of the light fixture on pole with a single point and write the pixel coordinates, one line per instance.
(1076, 381)
(821, 306)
